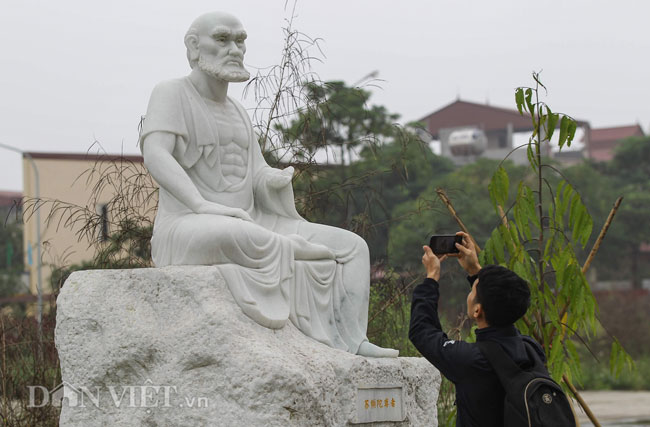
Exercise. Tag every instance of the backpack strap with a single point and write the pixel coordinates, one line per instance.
(505, 368)
(538, 363)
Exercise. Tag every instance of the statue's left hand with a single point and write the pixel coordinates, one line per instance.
(280, 178)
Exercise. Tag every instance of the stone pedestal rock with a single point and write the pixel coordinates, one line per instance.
(170, 347)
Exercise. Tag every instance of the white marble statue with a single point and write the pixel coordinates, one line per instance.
(221, 204)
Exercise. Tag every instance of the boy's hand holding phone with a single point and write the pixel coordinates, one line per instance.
(459, 246)
(467, 257)
(431, 263)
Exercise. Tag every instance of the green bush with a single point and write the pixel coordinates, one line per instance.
(389, 312)
(597, 376)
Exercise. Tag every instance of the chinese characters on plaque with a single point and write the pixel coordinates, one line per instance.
(379, 403)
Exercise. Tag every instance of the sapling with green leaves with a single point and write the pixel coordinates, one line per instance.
(538, 237)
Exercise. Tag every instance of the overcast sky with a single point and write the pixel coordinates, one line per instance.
(75, 71)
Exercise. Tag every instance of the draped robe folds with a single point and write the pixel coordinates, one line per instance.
(326, 299)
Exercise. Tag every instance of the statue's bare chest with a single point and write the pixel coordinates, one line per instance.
(233, 140)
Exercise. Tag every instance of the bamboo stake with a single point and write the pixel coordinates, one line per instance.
(602, 234)
(582, 402)
(443, 196)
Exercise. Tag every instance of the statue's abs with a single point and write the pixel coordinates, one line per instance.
(233, 142)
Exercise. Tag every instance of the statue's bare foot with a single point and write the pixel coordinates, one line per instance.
(368, 349)
(305, 250)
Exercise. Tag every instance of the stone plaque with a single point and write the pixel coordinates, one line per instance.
(380, 403)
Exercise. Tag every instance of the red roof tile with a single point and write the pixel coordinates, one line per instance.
(615, 133)
(464, 113)
(7, 198)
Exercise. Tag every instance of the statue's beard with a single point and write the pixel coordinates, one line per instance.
(226, 73)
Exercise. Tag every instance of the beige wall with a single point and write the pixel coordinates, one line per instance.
(63, 182)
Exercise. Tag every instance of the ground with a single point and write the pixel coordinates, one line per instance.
(617, 408)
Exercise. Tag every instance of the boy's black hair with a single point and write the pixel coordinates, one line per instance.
(504, 296)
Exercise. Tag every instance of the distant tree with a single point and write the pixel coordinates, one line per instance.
(632, 161)
(630, 169)
(336, 115)
(11, 258)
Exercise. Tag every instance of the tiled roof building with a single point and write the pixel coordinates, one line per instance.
(603, 141)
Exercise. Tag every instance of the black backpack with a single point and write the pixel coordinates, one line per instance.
(532, 398)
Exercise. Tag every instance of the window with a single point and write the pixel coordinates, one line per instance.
(502, 141)
(103, 212)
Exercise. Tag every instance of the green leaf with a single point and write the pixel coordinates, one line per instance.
(571, 348)
(578, 304)
(549, 299)
(556, 349)
(557, 217)
(530, 207)
(486, 256)
(521, 212)
(613, 356)
(563, 199)
(552, 123)
(507, 240)
(519, 100)
(559, 263)
(499, 186)
(514, 234)
(531, 155)
(521, 271)
(580, 221)
(529, 102)
(518, 214)
(574, 357)
(575, 290)
(497, 242)
(590, 307)
(564, 127)
(571, 132)
(547, 248)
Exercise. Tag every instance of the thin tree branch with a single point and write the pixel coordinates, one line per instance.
(443, 196)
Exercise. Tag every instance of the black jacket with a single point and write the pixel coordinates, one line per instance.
(479, 395)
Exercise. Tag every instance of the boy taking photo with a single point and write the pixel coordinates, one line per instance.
(497, 299)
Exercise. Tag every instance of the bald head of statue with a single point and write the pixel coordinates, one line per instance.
(216, 44)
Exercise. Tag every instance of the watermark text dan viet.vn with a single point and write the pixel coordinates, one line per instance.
(147, 395)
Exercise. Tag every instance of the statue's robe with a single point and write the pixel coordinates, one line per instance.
(326, 299)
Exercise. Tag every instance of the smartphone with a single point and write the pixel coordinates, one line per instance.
(445, 243)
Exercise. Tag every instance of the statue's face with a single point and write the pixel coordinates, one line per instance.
(221, 47)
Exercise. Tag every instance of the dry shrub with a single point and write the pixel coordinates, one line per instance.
(27, 361)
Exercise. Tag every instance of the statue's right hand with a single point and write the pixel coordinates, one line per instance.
(211, 208)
